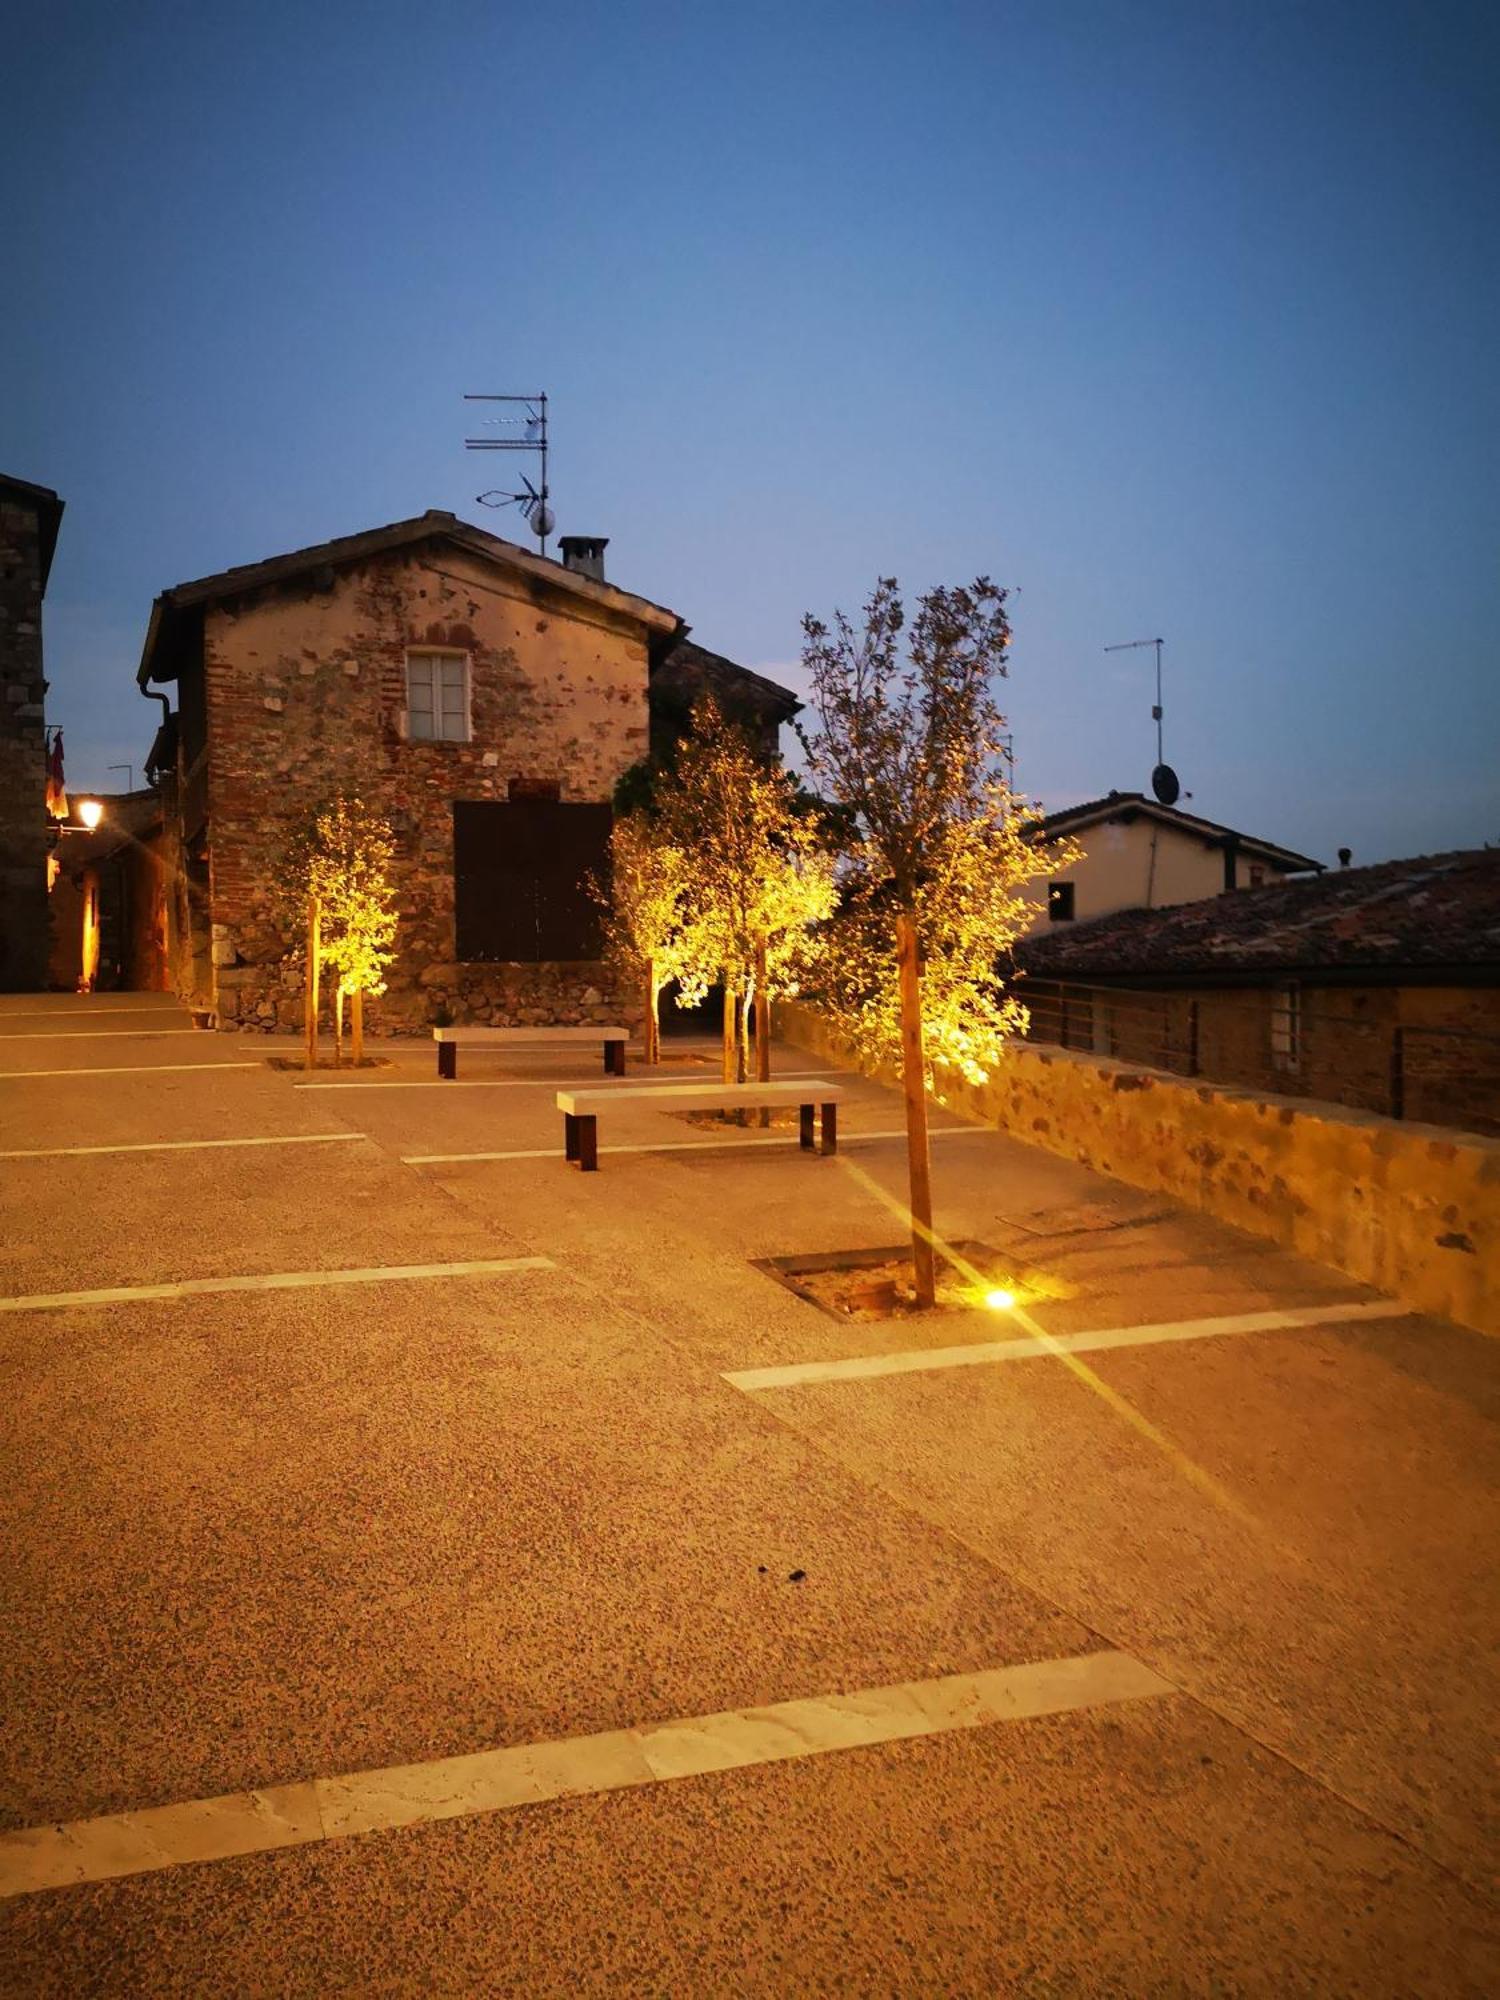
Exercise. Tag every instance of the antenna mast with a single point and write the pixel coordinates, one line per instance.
(532, 422)
(1163, 778)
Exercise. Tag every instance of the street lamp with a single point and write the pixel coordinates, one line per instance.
(90, 811)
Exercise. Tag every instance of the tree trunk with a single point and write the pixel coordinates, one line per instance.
(357, 1026)
(731, 1028)
(651, 1035)
(338, 1025)
(919, 1166)
(762, 1027)
(310, 986)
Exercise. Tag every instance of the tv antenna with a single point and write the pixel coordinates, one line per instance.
(1163, 779)
(531, 422)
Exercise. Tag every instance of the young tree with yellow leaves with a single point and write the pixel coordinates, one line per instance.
(757, 879)
(643, 906)
(908, 745)
(339, 870)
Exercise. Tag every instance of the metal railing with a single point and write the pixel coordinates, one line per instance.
(1290, 1040)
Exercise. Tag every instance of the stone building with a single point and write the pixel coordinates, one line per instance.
(485, 699)
(29, 518)
(1374, 987)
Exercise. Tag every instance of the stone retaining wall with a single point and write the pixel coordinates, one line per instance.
(1411, 1209)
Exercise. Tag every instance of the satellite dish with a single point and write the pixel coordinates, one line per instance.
(542, 519)
(1164, 784)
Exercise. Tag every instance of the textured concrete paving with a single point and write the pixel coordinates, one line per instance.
(270, 1536)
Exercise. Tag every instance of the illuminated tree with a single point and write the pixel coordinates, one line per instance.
(756, 882)
(908, 747)
(644, 917)
(338, 871)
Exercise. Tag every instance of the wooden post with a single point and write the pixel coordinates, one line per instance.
(310, 988)
(357, 1026)
(762, 1026)
(1398, 1072)
(918, 1162)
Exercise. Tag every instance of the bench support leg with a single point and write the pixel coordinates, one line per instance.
(805, 1126)
(570, 1136)
(614, 1058)
(588, 1144)
(447, 1059)
(830, 1117)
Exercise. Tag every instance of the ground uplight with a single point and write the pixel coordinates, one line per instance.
(999, 1300)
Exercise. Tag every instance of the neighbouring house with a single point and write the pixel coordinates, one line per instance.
(1377, 987)
(485, 699)
(29, 519)
(109, 897)
(1139, 854)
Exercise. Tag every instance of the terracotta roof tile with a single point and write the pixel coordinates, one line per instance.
(1432, 910)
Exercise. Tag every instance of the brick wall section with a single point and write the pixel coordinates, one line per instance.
(23, 769)
(306, 691)
(1411, 1209)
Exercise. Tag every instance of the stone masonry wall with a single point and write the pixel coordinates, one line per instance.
(306, 692)
(23, 768)
(1411, 1209)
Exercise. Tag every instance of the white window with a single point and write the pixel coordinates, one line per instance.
(1286, 1027)
(437, 697)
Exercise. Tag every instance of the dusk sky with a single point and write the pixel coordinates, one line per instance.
(1183, 319)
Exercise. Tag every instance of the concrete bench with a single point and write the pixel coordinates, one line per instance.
(581, 1108)
(451, 1040)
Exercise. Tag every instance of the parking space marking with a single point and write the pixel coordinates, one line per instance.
(179, 1145)
(1025, 1348)
(516, 1082)
(97, 1034)
(82, 1013)
(275, 1281)
(122, 1069)
(692, 1145)
(134, 1843)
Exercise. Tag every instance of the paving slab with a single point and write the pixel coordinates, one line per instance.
(1148, 1850)
(288, 1535)
(1340, 1606)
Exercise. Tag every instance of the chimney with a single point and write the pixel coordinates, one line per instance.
(1346, 855)
(584, 555)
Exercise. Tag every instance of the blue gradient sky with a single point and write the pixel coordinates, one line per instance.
(1182, 318)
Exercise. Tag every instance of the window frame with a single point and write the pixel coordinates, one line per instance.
(441, 653)
(1286, 1027)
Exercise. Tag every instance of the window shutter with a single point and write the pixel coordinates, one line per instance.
(520, 875)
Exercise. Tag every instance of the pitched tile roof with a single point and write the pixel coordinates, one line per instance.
(1135, 805)
(1430, 912)
(690, 666)
(435, 525)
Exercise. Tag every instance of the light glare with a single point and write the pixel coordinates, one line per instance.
(999, 1300)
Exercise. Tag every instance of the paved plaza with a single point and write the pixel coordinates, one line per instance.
(430, 1569)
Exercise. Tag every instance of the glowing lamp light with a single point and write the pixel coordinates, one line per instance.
(90, 811)
(999, 1300)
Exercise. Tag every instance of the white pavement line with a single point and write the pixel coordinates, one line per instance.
(122, 1069)
(275, 1281)
(917, 1361)
(690, 1145)
(82, 1013)
(97, 1034)
(526, 1082)
(136, 1843)
(179, 1145)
